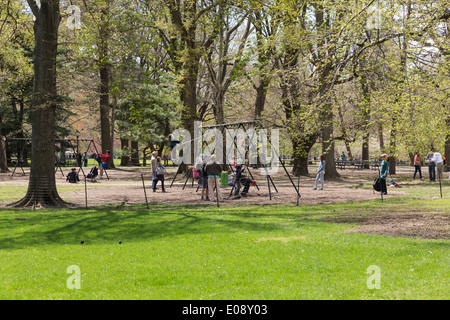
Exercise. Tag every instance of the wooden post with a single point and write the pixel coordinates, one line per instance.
(145, 192)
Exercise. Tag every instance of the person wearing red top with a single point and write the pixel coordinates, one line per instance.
(104, 165)
(417, 165)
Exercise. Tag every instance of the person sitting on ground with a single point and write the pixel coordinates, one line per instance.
(72, 177)
(93, 173)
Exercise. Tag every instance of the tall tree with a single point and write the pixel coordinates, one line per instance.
(42, 185)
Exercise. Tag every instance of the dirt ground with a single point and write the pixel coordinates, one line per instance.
(125, 186)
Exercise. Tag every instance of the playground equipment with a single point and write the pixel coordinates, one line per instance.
(225, 130)
(20, 147)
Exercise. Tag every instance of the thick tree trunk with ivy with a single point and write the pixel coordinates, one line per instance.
(42, 185)
(125, 159)
(302, 147)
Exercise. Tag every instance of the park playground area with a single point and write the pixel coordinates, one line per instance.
(125, 187)
(250, 248)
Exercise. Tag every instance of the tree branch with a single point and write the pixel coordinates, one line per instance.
(34, 7)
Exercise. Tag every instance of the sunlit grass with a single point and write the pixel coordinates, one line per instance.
(167, 252)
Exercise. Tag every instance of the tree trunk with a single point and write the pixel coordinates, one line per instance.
(135, 153)
(125, 160)
(393, 147)
(3, 162)
(447, 152)
(105, 79)
(302, 147)
(381, 137)
(328, 145)
(105, 126)
(42, 185)
(366, 120)
(260, 100)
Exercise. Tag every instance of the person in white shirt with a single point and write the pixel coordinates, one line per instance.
(437, 159)
(153, 163)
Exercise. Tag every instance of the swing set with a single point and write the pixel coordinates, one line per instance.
(19, 147)
(225, 129)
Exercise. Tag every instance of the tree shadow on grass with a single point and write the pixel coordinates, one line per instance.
(70, 227)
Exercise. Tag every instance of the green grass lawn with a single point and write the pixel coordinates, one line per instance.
(209, 253)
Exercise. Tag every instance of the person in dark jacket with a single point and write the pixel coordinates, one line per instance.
(242, 180)
(72, 177)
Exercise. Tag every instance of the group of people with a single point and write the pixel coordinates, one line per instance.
(208, 172)
(93, 174)
(435, 163)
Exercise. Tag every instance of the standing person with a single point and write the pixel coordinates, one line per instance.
(431, 166)
(104, 162)
(198, 170)
(384, 172)
(79, 159)
(204, 178)
(85, 159)
(437, 159)
(320, 171)
(159, 175)
(213, 170)
(343, 156)
(417, 165)
(153, 164)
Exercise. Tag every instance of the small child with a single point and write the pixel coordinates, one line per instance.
(231, 178)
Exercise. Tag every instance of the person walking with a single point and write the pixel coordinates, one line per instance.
(213, 170)
(160, 171)
(431, 166)
(417, 167)
(384, 172)
(439, 162)
(320, 172)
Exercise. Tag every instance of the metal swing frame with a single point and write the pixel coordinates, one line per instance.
(241, 125)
